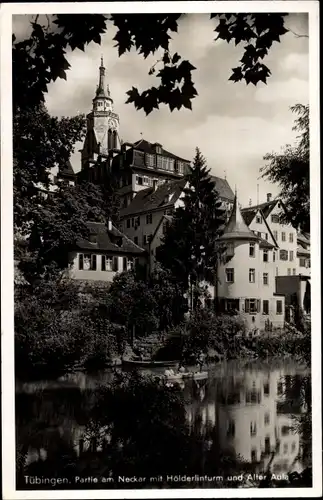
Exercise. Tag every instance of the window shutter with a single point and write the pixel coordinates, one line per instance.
(124, 263)
(115, 263)
(246, 305)
(258, 305)
(103, 263)
(81, 261)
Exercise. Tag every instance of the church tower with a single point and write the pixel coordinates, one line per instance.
(102, 124)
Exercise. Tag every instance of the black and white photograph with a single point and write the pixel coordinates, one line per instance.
(160, 249)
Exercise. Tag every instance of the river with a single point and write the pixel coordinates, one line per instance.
(245, 415)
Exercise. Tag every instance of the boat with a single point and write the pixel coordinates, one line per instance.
(176, 377)
(148, 363)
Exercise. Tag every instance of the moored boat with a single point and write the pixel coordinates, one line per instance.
(147, 363)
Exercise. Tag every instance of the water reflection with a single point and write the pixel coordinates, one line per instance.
(246, 412)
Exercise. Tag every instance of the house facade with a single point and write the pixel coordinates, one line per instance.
(106, 253)
(246, 276)
(265, 220)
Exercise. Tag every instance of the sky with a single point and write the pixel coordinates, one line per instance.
(233, 124)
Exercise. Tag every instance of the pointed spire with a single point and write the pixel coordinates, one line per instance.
(100, 90)
(236, 227)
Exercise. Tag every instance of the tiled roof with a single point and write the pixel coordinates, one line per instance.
(236, 228)
(265, 244)
(303, 238)
(149, 147)
(109, 241)
(266, 208)
(223, 188)
(150, 199)
(248, 215)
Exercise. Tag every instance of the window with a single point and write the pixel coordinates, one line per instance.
(253, 429)
(253, 455)
(293, 446)
(106, 263)
(289, 272)
(125, 263)
(265, 278)
(265, 256)
(130, 263)
(150, 160)
(275, 219)
(253, 397)
(135, 240)
(128, 222)
(283, 236)
(139, 180)
(229, 275)
(291, 255)
(283, 255)
(285, 430)
(252, 306)
(294, 272)
(252, 252)
(149, 218)
(137, 221)
(274, 256)
(252, 275)
(231, 428)
(267, 445)
(266, 236)
(267, 418)
(259, 234)
(265, 307)
(258, 219)
(285, 448)
(279, 307)
(291, 237)
(266, 389)
(275, 235)
(80, 261)
(302, 262)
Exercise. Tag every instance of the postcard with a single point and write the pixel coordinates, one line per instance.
(160, 228)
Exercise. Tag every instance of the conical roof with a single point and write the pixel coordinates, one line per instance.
(236, 228)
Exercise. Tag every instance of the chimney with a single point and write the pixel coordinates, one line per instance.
(269, 195)
(109, 225)
(155, 182)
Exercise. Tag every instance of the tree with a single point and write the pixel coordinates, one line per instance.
(189, 247)
(40, 59)
(40, 143)
(57, 222)
(290, 169)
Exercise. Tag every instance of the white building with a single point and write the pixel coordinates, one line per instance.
(246, 275)
(106, 253)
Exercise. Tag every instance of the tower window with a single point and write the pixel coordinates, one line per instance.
(229, 275)
(252, 275)
(252, 250)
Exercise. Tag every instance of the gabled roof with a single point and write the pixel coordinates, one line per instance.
(248, 216)
(236, 228)
(266, 208)
(109, 241)
(67, 169)
(149, 199)
(302, 238)
(149, 147)
(223, 188)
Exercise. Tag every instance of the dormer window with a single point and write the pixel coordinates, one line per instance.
(158, 149)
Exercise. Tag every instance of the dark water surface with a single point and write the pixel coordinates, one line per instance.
(247, 413)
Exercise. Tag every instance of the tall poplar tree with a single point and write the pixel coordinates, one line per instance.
(189, 249)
